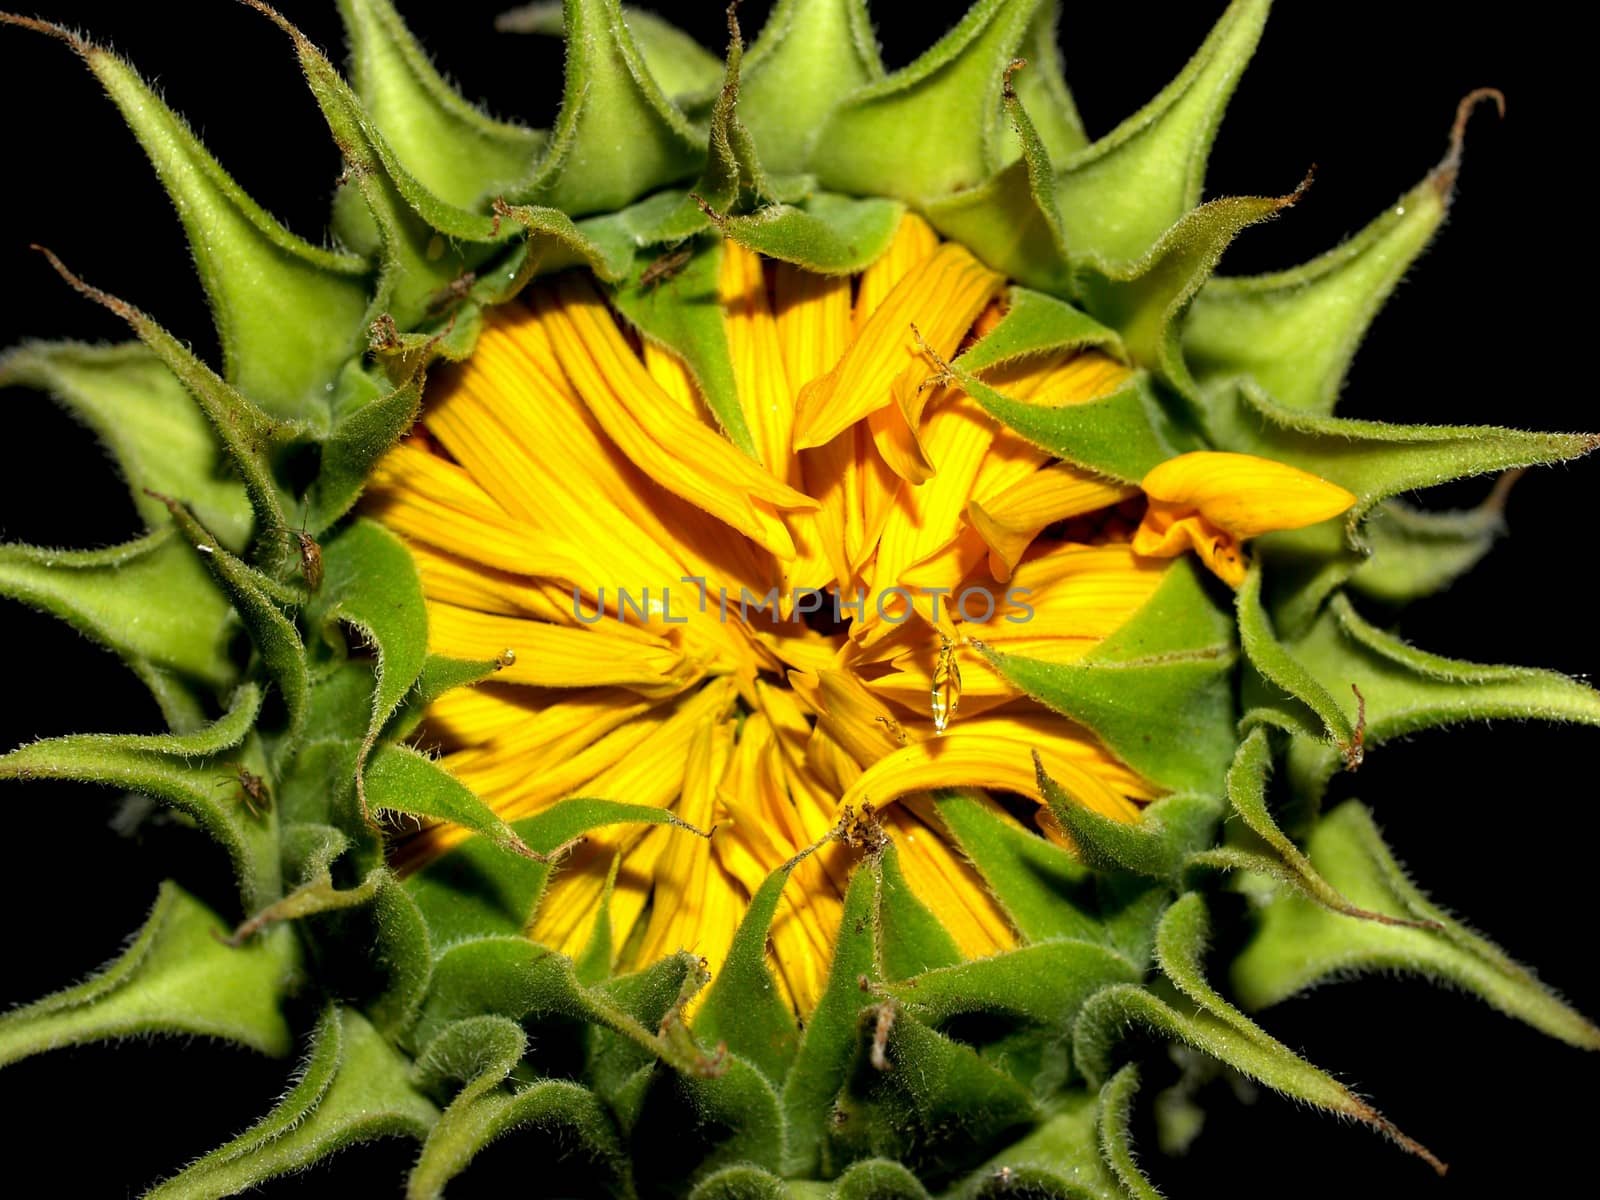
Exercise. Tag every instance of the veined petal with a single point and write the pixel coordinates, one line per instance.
(968, 759)
(680, 453)
(1010, 520)
(558, 656)
(1212, 501)
(941, 297)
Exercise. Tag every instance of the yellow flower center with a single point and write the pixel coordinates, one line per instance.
(764, 645)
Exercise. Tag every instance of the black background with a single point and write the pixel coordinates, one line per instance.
(1493, 325)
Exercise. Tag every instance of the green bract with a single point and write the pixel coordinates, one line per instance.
(918, 1072)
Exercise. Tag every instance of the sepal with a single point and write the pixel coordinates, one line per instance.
(1247, 797)
(446, 144)
(1115, 1115)
(685, 71)
(743, 1008)
(1213, 1027)
(353, 1087)
(1174, 657)
(260, 602)
(474, 890)
(1294, 332)
(177, 977)
(1394, 689)
(288, 314)
(1120, 195)
(610, 100)
(928, 129)
(148, 422)
(149, 601)
(1157, 845)
(1297, 944)
(187, 771)
(1010, 220)
(809, 56)
(481, 1052)
(249, 436)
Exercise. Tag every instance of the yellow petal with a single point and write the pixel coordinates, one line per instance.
(965, 759)
(1212, 501)
(680, 453)
(1011, 519)
(941, 297)
(1245, 495)
(913, 243)
(558, 656)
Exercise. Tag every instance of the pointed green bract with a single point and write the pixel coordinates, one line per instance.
(191, 772)
(684, 69)
(925, 131)
(1043, 90)
(1295, 332)
(1404, 690)
(810, 55)
(1298, 944)
(449, 146)
(743, 1008)
(684, 313)
(477, 889)
(1041, 888)
(1145, 301)
(1010, 220)
(482, 1052)
(911, 941)
(1121, 194)
(1176, 657)
(177, 978)
(828, 234)
(1416, 553)
(148, 601)
(1215, 1028)
(259, 277)
(829, 1040)
(354, 1088)
(247, 434)
(1377, 460)
(1119, 435)
(148, 422)
(610, 100)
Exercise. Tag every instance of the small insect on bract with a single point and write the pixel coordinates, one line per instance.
(253, 793)
(310, 554)
(664, 268)
(946, 685)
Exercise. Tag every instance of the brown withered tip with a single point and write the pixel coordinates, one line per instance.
(49, 29)
(1007, 89)
(1444, 175)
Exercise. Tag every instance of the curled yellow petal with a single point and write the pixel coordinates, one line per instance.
(1211, 501)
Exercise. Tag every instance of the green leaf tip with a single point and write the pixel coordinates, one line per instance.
(1295, 332)
(1121, 194)
(1247, 780)
(808, 57)
(175, 978)
(246, 433)
(610, 99)
(449, 146)
(1297, 944)
(927, 130)
(353, 1087)
(261, 280)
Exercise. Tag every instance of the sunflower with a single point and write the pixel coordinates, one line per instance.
(743, 635)
(778, 645)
